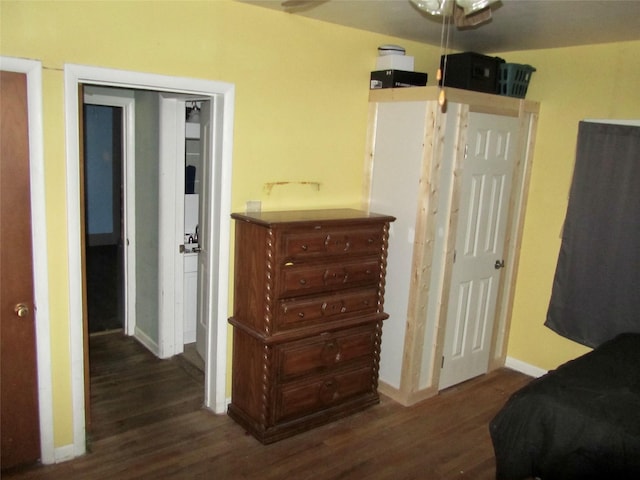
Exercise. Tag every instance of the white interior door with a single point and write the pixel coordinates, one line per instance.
(171, 226)
(206, 226)
(485, 187)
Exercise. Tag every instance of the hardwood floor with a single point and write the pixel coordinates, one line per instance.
(131, 388)
(105, 281)
(148, 423)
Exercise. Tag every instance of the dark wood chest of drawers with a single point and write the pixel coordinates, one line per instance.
(307, 317)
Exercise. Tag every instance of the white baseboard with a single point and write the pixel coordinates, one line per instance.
(145, 340)
(64, 453)
(523, 367)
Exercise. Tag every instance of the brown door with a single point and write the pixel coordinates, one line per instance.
(18, 370)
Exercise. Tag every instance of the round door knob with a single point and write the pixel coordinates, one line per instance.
(21, 310)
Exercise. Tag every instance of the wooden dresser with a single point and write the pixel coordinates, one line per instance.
(307, 317)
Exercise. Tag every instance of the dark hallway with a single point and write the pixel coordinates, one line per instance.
(103, 147)
(104, 288)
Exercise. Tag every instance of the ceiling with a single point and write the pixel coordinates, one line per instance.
(515, 24)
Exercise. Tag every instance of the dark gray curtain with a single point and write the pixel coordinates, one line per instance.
(596, 289)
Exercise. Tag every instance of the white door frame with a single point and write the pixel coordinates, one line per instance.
(33, 71)
(125, 101)
(215, 372)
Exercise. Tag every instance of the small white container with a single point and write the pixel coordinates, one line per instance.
(395, 62)
(384, 50)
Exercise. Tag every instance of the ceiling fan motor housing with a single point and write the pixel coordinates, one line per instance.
(446, 7)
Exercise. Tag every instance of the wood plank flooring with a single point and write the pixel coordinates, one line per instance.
(131, 388)
(105, 287)
(148, 423)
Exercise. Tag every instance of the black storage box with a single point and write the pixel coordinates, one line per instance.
(471, 71)
(397, 78)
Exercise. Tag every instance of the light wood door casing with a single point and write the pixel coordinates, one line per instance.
(18, 381)
(416, 349)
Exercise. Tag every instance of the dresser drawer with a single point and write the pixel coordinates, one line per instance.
(331, 241)
(299, 399)
(326, 351)
(304, 312)
(306, 279)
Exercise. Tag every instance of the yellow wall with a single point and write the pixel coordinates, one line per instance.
(572, 84)
(300, 113)
(301, 106)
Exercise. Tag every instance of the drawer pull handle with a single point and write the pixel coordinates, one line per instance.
(328, 275)
(347, 246)
(329, 391)
(327, 240)
(301, 314)
(343, 309)
(368, 272)
(331, 353)
(305, 247)
(323, 307)
(370, 241)
(303, 281)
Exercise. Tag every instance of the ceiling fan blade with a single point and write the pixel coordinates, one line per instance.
(299, 5)
(472, 6)
(463, 20)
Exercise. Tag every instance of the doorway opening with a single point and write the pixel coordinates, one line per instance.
(166, 336)
(115, 223)
(104, 237)
(123, 225)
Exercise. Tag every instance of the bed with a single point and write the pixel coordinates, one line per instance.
(580, 421)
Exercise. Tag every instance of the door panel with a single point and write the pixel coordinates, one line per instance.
(485, 188)
(20, 438)
(169, 325)
(207, 225)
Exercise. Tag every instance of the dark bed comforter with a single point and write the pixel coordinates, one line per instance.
(581, 421)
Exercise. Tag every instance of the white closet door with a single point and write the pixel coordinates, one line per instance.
(486, 179)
